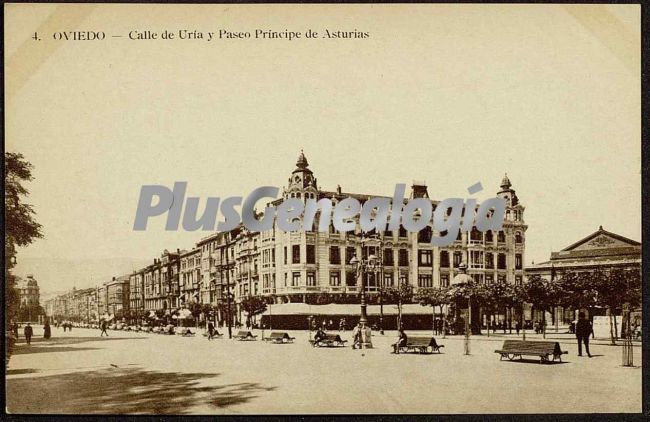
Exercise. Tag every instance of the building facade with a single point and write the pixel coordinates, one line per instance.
(601, 250)
(28, 292)
(298, 263)
(117, 296)
(226, 267)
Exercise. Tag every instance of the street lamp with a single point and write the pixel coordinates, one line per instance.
(362, 266)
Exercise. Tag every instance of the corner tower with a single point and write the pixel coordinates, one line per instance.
(302, 183)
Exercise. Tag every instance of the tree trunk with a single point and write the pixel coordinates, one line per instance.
(615, 326)
(433, 319)
(611, 328)
(544, 323)
(510, 319)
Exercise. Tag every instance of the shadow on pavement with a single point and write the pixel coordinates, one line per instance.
(73, 340)
(525, 360)
(28, 350)
(124, 391)
(22, 371)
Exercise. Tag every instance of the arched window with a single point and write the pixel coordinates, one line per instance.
(501, 237)
(489, 236)
(518, 237)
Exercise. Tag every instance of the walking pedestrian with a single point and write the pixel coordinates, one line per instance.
(356, 336)
(517, 326)
(583, 330)
(29, 331)
(47, 331)
(103, 327)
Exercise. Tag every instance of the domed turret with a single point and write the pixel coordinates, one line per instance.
(505, 182)
(507, 192)
(302, 183)
(302, 161)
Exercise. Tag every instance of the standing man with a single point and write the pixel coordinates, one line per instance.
(29, 331)
(583, 330)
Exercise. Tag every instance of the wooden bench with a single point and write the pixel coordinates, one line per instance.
(185, 332)
(245, 336)
(330, 340)
(420, 345)
(279, 338)
(543, 349)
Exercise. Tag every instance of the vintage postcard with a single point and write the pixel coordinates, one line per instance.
(350, 209)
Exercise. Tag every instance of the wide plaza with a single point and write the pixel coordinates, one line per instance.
(137, 373)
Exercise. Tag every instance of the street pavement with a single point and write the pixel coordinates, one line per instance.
(136, 373)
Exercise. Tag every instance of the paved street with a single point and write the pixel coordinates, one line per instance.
(79, 372)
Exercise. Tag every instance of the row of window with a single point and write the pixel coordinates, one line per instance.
(425, 257)
(424, 280)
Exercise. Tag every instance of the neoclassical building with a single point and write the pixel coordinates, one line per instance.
(601, 250)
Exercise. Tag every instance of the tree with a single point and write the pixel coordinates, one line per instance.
(541, 293)
(614, 289)
(21, 228)
(578, 290)
(400, 295)
(503, 295)
(433, 297)
(253, 305)
(470, 294)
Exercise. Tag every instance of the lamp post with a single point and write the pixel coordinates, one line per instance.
(361, 268)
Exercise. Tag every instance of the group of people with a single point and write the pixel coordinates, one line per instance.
(329, 324)
(67, 325)
(357, 334)
(28, 331)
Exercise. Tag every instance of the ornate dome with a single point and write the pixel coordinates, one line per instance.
(31, 281)
(462, 277)
(302, 161)
(505, 182)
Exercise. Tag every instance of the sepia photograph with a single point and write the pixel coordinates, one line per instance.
(322, 209)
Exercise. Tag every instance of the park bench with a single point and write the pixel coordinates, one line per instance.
(279, 338)
(421, 345)
(185, 332)
(245, 336)
(330, 340)
(543, 349)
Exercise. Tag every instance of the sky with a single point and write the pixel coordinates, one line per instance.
(448, 94)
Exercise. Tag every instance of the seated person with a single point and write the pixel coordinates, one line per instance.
(401, 342)
(320, 335)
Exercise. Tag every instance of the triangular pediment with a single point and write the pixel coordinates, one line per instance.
(602, 239)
